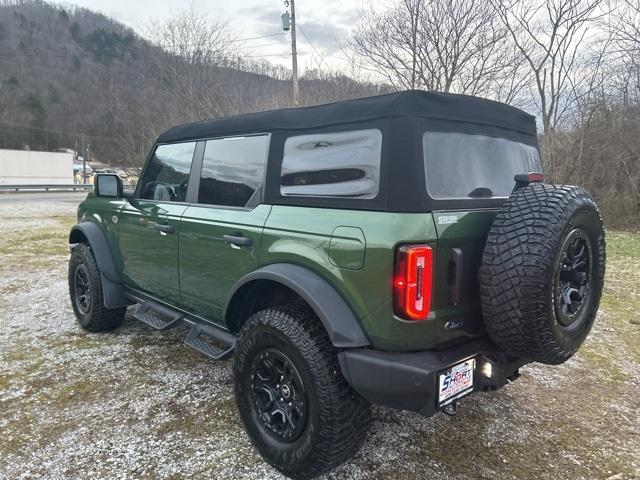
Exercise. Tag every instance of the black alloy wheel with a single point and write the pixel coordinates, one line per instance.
(572, 288)
(82, 289)
(298, 409)
(278, 395)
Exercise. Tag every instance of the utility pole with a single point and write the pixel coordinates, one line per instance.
(84, 163)
(294, 52)
(87, 160)
(75, 160)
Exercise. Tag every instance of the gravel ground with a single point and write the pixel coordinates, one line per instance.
(138, 404)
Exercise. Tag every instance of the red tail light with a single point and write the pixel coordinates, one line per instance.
(412, 281)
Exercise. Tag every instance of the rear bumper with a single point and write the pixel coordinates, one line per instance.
(409, 381)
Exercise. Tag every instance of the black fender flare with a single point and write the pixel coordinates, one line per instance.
(112, 288)
(338, 319)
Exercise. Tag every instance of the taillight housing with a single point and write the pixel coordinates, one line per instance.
(413, 281)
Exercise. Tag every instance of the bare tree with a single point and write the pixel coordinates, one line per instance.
(549, 35)
(188, 51)
(624, 28)
(439, 45)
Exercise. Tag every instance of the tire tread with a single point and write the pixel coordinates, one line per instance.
(344, 415)
(100, 319)
(518, 263)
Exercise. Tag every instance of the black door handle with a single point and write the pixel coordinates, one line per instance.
(162, 228)
(455, 276)
(239, 241)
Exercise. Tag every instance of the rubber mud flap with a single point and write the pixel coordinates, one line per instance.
(542, 272)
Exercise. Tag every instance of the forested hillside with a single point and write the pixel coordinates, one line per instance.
(65, 72)
(70, 76)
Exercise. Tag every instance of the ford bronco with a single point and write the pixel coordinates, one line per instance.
(401, 250)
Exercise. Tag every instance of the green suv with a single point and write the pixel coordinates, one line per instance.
(401, 250)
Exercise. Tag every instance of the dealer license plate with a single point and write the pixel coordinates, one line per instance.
(456, 382)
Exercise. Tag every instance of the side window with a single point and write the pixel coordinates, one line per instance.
(338, 164)
(167, 173)
(232, 170)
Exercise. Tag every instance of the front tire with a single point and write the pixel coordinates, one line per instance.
(299, 411)
(85, 291)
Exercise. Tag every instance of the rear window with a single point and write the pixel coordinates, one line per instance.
(462, 166)
(337, 164)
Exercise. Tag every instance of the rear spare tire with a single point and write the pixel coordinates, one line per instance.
(542, 272)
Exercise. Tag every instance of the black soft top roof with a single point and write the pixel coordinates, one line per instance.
(411, 103)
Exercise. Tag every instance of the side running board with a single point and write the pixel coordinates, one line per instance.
(213, 342)
(210, 341)
(157, 317)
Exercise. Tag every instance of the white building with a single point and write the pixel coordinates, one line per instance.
(26, 167)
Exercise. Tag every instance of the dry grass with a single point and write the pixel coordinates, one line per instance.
(138, 404)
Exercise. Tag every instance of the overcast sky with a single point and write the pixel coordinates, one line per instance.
(323, 24)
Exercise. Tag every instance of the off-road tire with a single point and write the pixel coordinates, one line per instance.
(97, 318)
(519, 267)
(338, 417)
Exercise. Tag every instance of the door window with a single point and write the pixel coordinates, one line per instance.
(233, 170)
(167, 174)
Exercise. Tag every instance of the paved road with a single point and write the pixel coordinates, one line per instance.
(64, 197)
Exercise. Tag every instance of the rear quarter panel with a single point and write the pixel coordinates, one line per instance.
(303, 236)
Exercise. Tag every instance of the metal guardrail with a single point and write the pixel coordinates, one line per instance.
(45, 188)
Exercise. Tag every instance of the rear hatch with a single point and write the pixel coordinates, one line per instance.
(456, 298)
(469, 177)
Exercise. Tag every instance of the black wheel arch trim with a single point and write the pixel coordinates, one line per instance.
(338, 319)
(112, 288)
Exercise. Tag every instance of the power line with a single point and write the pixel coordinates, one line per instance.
(244, 47)
(51, 130)
(261, 36)
(261, 45)
(234, 40)
(36, 50)
(37, 54)
(322, 60)
(232, 57)
(130, 57)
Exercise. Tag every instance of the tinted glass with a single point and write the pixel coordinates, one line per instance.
(167, 173)
(461, 166)
(232, 170)
(339, 164)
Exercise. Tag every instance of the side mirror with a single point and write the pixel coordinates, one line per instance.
(108, 185)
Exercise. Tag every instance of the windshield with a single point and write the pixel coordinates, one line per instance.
(462, 166)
